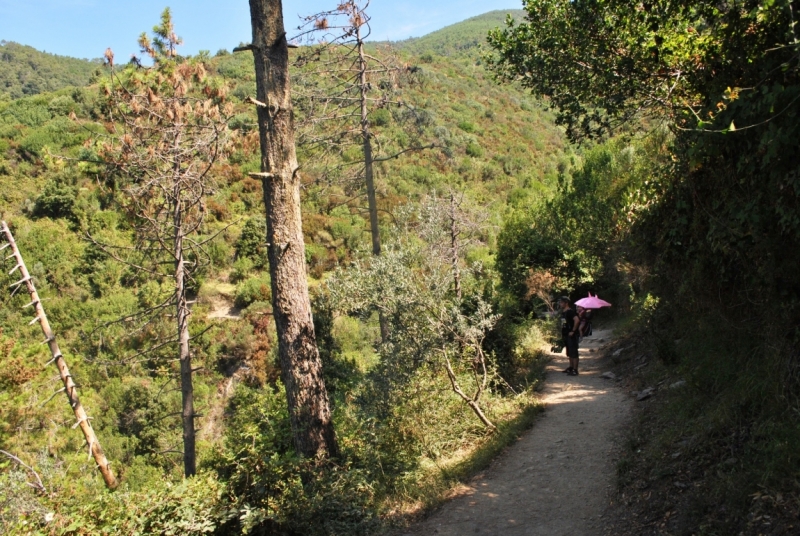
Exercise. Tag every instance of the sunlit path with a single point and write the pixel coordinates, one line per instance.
(554, 481)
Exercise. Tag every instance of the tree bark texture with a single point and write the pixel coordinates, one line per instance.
(95, 450)
(185, 357)
(301, 367)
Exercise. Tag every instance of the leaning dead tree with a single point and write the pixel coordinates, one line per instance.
(169, 129)
(301, 367)
(71, 390)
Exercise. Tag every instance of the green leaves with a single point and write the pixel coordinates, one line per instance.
(602, 62)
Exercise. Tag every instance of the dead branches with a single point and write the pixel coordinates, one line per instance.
(468, 333)
(170, 129)
(38, 485)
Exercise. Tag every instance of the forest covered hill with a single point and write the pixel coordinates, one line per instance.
(462, 38)
(27, 71)
(457, 143)
(649, 154)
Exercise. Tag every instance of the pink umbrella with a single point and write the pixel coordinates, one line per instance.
(592, 302)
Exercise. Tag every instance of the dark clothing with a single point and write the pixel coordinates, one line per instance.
(570, 341)
(585, 322)
(568, 322)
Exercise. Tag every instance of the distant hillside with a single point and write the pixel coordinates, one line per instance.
(494, 147)
(461, 37)
(26, 71)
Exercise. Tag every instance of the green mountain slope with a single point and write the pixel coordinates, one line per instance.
(493, 143)
(462, 37)
(27, 71)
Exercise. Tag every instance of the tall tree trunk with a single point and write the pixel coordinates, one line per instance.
(301, 367)
(367, 141)
(70, 388)
(369, 174)
(182, 316)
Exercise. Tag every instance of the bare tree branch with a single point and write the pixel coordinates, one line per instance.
(39, 485)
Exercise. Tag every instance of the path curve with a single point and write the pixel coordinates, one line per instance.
(555, 480)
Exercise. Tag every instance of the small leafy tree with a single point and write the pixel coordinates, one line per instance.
(430, 326)
(169, 130)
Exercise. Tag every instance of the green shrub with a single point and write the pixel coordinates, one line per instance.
(467, 126)
(253, 289)
(57, 200)
(381, 117)
(242, 269)
(243, 122)
(62, 105)
(474, 149)
(252, 243)
(58, 133)
(219, 252)
(193, 506)
(346, 228)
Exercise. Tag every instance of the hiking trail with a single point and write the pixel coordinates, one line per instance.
(556, 479)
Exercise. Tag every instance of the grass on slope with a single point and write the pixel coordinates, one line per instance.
(462, 38)
(26, 71)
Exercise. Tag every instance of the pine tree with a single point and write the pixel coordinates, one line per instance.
(169, 131)
(301, 367)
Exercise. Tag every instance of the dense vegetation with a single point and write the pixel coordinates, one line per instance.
(403, 434)
(692, 212)
(679, 202)
(25, 71)
(462, 39)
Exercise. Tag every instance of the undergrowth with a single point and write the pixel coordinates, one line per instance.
(714, 451)
(393, 467)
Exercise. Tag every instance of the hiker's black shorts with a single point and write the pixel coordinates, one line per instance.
(571, 344)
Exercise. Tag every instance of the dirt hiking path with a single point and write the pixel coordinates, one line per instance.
(555, 480)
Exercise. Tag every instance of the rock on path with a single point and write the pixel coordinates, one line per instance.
(554, 481)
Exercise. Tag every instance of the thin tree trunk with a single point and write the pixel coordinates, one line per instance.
(367, 141)
(70, 388)
(184, 355)
(454, 246)
(301, 367)
(471, 402)
(369, 174)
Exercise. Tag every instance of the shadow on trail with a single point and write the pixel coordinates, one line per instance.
(554, 479)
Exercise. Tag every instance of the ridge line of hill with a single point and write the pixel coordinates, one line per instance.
(26, 71)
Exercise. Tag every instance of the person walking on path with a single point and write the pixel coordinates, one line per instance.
(570, 334)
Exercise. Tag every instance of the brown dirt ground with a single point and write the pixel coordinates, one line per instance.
(223, 308)
(559, 477)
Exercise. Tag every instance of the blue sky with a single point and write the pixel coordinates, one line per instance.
(84, 28)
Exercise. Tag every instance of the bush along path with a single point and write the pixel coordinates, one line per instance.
(556, 480)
